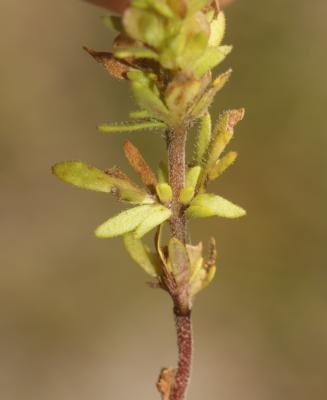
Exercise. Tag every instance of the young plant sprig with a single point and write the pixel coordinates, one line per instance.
(166, 51)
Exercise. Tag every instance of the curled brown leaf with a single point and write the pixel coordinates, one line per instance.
(140, 166)
(116, 68)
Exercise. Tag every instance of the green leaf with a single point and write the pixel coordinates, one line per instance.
(123, 223)
(141, 4)
(113, 22)
(223, 133)
(141, 255)
(202, 279)
(218, 27)
(164, 192)
(209, 205)
(156, 216)
(142, 114)
(186, 195)
(136, 52)
(192, 42)
(195, 256)
(221, 165)
(131, 126)
(192, 176)
(140, 77)
(158, 246)
(146, 26)
(203, 139)
(196, 5)
(179, 7)
(162, 8)
(194, 50)
(150, 101)
(87, 177)
(221, 81)
(201, 107)
(178, 259)
(180, 94)
(162, 173)
(211, 58)
(84, 176)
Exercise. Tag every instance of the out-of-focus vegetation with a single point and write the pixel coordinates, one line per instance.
(76, 320)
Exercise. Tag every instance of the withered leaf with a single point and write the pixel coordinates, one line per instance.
(124, 180)
(211, 261)
(140, 166)
(116, 68)
(165, 381)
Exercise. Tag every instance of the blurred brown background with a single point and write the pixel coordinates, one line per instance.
(76, 319)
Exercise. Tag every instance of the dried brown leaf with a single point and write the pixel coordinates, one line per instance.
(116, 68)
(140, 166)
(165, 382)
(116, 172)
(211, 261)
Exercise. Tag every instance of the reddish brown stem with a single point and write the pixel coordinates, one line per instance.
(185, 346)
(176, 140)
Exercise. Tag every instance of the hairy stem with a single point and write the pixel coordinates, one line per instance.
(176, 140)
(185, 346)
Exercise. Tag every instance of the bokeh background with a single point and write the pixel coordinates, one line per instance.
(77, 321)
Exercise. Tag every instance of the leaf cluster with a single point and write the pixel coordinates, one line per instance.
(166, 50)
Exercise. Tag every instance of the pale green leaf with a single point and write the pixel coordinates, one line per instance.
(194, 50)
(136, 52)
(223, 133)
(178, 259)
(218, 27)
(201, 107)
(221, 165)
(221, 80)
(162, 173)
(141, 254)
(164, 192)
(158, 245)
(131, 126)
(195, 255)
(146, 26)
(84, 176)
(211, 58)
(162, 8)
(156, 216)
(140, 77)
(192, 42)
(142, 114)
(202, 279)
(186, 195)
(87, 177)
(123, 223)
(113, 22)
(209, 205)
(196, 5)
(180, 94)
(141, 4)
(203, 139)
(192, 176)
(150, 101)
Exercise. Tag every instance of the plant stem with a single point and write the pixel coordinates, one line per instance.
(185, 347)
(176, 140)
